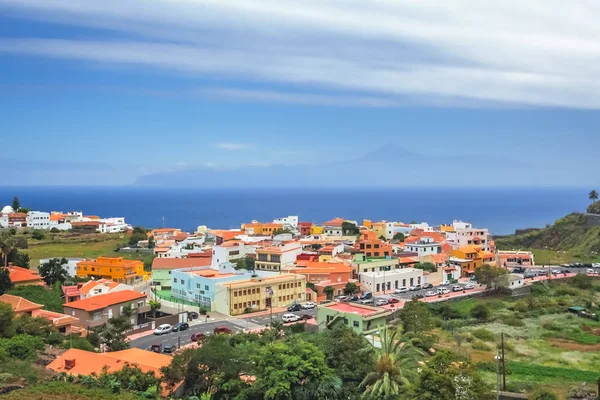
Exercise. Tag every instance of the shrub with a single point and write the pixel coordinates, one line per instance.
(22, 346)
(37, 235)
(550, 326)
(479, 345)
(54, 230)
(484, 334)
(512, 320)
(542, 394)
(582, 281)
(481, 312)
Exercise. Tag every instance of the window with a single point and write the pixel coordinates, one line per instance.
(377, 246)
(377, 290)
(235, 306)
(396, 285)
(206, 287)
(244, 292)
(346, 321)
(197, 286)
(235, 293)
(376, 254)
(174, 280)
(355, 324)
(182, 281)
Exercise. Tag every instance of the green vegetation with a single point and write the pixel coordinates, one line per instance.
(426, 266)
(349, 229)
(49, 297)
(569, 239)
(66, 391)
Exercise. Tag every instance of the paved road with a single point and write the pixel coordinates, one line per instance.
(409, 295)
(265, 320)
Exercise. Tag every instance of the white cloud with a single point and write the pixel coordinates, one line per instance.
(379, 53)
(233, 146)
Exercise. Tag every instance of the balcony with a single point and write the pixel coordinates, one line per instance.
(143, 309)
(93, 323)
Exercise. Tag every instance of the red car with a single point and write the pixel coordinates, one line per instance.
(393, 300)
(196, 337)
(222, 329)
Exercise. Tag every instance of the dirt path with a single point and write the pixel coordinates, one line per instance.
(566, 344)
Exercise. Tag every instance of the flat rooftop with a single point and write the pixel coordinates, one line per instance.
(352, 308)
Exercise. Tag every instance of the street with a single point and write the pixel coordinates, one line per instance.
(233, 323)
(410, 295)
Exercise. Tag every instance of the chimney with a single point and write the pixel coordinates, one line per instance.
(69, 363)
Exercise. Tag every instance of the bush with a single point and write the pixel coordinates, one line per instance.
(22, 347)
(542, 394)
(54, 230)
(582, 281)
(77, 342)
(511, 320)
(481, 312)
(37, 235)
(484, 334)
(481, 346)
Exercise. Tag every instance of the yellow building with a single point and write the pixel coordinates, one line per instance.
(367, 223)
(469, 258)
(114, 268)
(259, 294)
(316, 230)
(258, 229)
(379, 228)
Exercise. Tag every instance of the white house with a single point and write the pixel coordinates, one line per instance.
(228, 253)
(290, 220)
(424, 247)
(70, 266)
(423, 225)
(38, 220)
(513, 281)
(387, 281)
(471, 236)
(101, 286)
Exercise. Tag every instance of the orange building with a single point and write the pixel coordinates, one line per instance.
(23, 306)
(323, 274)
(259, 229)
(115, 268)
(372, 246)
(469, 258)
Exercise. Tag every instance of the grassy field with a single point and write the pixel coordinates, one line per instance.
(544, 344)
(79, 245)
(552, 257)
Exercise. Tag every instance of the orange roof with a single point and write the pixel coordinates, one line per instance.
(231, 243)
(334, 222)
(486, 254)
(91, 216)
(56, 217)
(227, 235)
(57, 319)
(446, 248)
(105, 300)
(89, 285)
(437, 258)
(86, 223)
(353, 308)
(87, 362)
(177, 263)
(19, 304)
(210, 273)
(180, 236)
(316, 267)
(408, 260)
(20, 275)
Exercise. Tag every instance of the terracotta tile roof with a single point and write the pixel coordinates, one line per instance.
(321, 267)
(337, 222)
(227, 235)
(19, 304)
(85, 289)
(70, 291)
(231, 243)
(86, 223)
(408, 260)
(327, 249)
(20, 275)
(437, 258)
(105, 300)
(57, 319)
(177, 263)
(87, 362)
(203, 254)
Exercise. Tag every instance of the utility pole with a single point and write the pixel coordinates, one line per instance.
(503, 365)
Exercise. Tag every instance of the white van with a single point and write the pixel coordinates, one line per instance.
(162, 329)
(290, 318)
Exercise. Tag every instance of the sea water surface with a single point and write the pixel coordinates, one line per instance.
(501, 210)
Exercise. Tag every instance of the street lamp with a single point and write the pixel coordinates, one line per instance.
(497, 358)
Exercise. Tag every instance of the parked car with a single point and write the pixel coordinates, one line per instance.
(393, 300)
(342, 298)
(589, 271)
(168, 348)
(419, 295)
(473, 279)
(445, 290)
(308, 305)
(162, 329)
(428, 286)
(415, 288)
(156, 347)
(306, 317)
(366, 301)
(290, 318)
(381, 302)
(197, 337)
(354, 298)
(180, 326)
(430, 293)
(295, 307)
(221, 329)
(457, 288)
(366, 296)
(192, 315)
(469, 286)
(446, 282)
(402, 289)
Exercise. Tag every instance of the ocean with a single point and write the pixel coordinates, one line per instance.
(501, 210)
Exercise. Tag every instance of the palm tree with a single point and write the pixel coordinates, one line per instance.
(394, 358)
(328, 290)
(155, 305)
(593, 196)
(7, 244)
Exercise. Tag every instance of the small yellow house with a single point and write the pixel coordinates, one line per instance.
(316, 230)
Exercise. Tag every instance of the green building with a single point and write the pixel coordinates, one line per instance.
(361, 318)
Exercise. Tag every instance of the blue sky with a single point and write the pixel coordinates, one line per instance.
(103, 92)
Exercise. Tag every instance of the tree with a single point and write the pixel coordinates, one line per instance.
(7, 316)
(16, 204)
(281, 231)
(582, 281)
(53, 271)
(394, 360)
(151, 243)
(488, 275)
(155, 305)
(426, 266)
(18, 258)
(480, 311)
(38, 235)
(415, 317)
(445, 377)
(399, 237)
(328, 290)
(351, 289)
(5, 282)
(112, 334)
(49, 297)
(247, 263)
(382, 238)
(292, 369)
(7, 243)
(33, 326)
(349, 229)
(593, 196)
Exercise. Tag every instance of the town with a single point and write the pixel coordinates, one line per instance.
(339, 274)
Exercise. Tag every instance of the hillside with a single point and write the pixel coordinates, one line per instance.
(572, 236)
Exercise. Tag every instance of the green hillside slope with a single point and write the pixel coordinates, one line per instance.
(570, 239)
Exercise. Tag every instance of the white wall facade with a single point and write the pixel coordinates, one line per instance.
(464, 237)
(387, 281)
(101, 288)
(424, 247)
(70, 266)
(290, 220)
(332, 230)
(222, 254)
(38, 220)
(457, 224)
